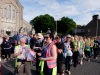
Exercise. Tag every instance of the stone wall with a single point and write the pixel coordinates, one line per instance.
(11, 17)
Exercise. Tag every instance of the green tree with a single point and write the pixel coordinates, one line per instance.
(66, 25)
(43, 22)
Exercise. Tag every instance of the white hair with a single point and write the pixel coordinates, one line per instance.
(23, 38)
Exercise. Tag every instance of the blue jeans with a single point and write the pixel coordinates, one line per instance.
(68, 62)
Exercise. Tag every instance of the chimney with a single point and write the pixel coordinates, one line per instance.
(95, 17)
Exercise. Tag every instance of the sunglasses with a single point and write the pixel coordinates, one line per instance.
(46, 37)
(57, 38)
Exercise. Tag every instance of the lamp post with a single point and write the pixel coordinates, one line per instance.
(56, 26)
(76, 30)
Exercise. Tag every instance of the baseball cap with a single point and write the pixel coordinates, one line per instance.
(68, 36)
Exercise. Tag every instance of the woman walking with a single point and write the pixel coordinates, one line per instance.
(69, 46)
(87, 49)
(76, 51)
(60, 47)
(49, 56)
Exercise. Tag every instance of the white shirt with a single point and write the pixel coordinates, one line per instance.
(23, 51)
(69, 52)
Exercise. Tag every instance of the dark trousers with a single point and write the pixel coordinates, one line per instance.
(37, 65)
(98, 51)
(47, 71)
(68, 62)
(95, 52)
(75, 58)
(59, 67)
(7, 53)
(91, 51)
(87, 54)
(0, 50)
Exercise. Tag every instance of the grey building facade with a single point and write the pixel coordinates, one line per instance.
(11, 18)
(91, 29)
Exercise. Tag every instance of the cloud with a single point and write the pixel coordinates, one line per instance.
(80, 11)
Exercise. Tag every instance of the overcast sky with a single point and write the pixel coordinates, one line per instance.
(80, 11)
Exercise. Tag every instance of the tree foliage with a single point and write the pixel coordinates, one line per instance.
(66, 25)
(43, 22)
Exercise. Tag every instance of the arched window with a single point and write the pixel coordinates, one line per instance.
(13, 14)
(24, 29)
(5, 12)
(9, 12)
(0, 11)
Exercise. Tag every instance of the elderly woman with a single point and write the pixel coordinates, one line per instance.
(21, 53)
(49, 55)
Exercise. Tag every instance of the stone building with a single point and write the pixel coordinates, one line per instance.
(79, 31)
(11, 18)
(91, 29)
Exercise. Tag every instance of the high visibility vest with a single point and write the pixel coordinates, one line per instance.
(91, 43)
(75, 45)
(95, 46)
(81, 44)
(50, 63)
(87, 46)
(41, 64)
(18, 48)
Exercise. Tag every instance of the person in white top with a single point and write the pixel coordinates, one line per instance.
(21, 52)
(69, 46)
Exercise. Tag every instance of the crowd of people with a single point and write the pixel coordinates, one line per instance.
(49, 52)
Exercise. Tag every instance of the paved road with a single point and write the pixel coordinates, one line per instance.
(88, 68)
